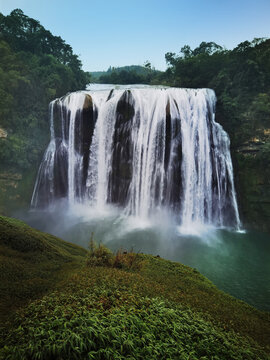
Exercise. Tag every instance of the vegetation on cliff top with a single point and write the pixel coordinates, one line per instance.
(35, 67)
(111, 309)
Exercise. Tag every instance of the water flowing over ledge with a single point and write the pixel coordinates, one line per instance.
(143, 149)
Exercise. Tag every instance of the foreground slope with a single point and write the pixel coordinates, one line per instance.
(31, 263)
(136, 307)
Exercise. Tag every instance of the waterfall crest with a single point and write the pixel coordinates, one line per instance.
(142, 149)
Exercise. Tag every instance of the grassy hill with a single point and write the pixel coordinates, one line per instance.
(133, 306)
(31, 263)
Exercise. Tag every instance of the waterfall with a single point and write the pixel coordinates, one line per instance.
(143, 150)
(45, 178)
(74, 104)
(100, 150)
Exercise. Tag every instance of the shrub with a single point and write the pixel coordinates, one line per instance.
(127, 260)
(99, 255)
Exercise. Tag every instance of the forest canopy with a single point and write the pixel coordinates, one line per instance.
(35, 67)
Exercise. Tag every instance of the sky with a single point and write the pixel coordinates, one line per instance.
(117, 33)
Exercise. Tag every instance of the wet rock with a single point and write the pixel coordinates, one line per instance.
(88, 103)
(125, 108)
(88, 121)
(121, 174)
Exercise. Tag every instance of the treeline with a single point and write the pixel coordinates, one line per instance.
(35, 67)
(133, 74)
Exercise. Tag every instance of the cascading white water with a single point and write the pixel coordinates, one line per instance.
(224, 174)
(74, 105)
(47, 165)
(149, 149)
(196, 164)
(100, 150)
(148, 168)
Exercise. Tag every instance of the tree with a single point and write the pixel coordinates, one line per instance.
(147, 64)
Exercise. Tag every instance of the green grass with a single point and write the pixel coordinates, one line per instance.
(31, 263)
(115, 310)
(187, 286)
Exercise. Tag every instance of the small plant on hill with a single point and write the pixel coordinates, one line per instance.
(127, 260)
(98, 255)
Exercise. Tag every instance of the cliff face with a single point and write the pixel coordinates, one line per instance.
(15, 190)
(252, 176)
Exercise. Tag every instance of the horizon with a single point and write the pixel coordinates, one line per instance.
(106, 34)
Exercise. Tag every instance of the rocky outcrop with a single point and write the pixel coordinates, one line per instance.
(121, 174)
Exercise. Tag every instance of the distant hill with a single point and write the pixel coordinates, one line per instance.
(130, 74)
(96, 74)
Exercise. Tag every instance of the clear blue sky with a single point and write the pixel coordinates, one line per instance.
(122, 32)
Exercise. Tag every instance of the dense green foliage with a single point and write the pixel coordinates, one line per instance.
(35, 67)
(133, 74)
(158, 310)
(79, 326)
